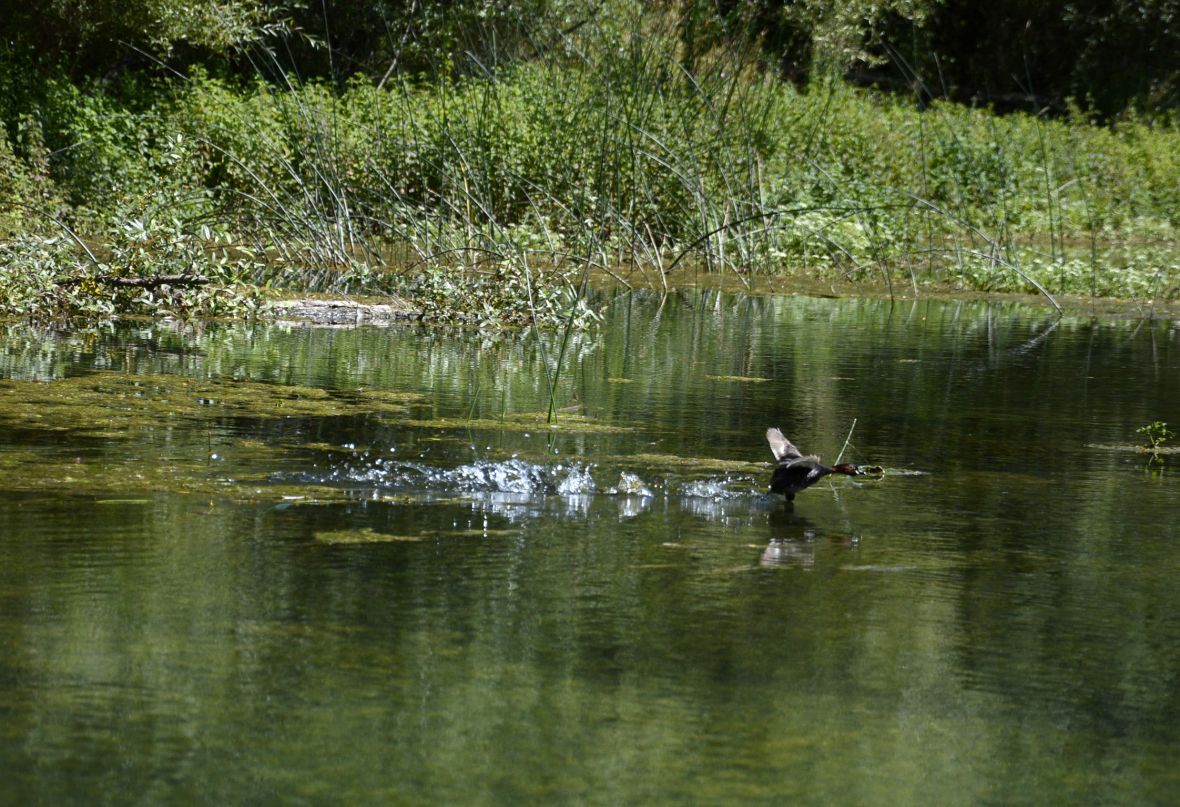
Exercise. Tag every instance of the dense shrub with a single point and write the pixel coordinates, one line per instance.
(575, 163)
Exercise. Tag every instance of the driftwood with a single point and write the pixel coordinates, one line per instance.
(140, 282)
(344, 312)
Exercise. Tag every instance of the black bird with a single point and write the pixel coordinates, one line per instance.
(796, 472)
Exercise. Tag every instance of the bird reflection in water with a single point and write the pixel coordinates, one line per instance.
(793, 541)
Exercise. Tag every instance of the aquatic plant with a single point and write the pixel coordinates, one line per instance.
(150, 265)
(1156, 434)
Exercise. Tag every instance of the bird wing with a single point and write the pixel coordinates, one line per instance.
(781, 447)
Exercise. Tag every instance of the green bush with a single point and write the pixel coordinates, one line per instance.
(614, 155)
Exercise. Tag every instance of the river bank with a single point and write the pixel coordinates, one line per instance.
(490, 199)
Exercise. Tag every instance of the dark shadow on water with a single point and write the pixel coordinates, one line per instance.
(794, 539)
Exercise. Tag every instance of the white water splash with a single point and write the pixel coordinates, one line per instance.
(630, 485)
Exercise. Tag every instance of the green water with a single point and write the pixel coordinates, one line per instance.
(355, 566)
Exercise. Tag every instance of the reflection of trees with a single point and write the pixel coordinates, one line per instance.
(1020, 594)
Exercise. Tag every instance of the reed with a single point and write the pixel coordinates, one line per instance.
(489, 192)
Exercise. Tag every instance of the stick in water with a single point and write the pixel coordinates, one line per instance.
(846, 439)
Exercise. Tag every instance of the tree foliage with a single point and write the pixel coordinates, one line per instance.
(804, 37)
(1102, 54)
(379, 38)
(86, 38)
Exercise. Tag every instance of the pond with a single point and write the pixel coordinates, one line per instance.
(358, 565)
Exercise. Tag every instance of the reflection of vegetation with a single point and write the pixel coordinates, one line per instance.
(363, 536)
(367, 535)
(265, 397)
(712, 464)
(594, 651)
(111, 405)
(520, 422)
(120, 432)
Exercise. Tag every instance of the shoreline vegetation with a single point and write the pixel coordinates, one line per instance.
(494, 193)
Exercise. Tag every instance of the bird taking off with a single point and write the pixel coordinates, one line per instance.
(796, 472)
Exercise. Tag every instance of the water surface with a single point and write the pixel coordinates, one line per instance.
(314, 565)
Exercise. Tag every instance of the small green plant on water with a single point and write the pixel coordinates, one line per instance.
(1156, 434)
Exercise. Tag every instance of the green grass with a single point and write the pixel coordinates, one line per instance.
(492, 198)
